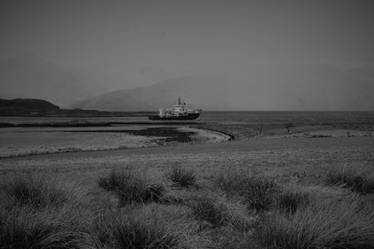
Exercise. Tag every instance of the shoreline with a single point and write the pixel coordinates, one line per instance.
(123, 139)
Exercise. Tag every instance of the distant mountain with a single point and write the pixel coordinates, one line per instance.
(26, 106)
(208, 92)
(32, 76)
(39, 107)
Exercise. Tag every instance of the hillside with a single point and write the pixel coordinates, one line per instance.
(26, 106)
(207, 92)
(262, 87)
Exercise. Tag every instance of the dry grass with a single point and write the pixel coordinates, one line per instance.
(230, 238)
(182, 177)
(40, 214)
(30, 190)
(47, 214)
(291, 199)
(217, 211)
(209, 210)
(257, 191)
(120, 230)
(23, 227)
(142, 227)
(360, 181)
(131, 187)
(325, 224)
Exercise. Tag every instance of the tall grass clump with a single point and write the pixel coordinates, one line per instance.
(131, 187)
(40, 214)
(327, 224)
(207, 209)
(25, 227)
(36, 192)
(217, 211)
(134, 229)
(258, 191)
(182, 177)
(355, 179)
(290, 200)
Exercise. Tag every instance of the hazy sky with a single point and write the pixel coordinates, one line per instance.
(269, 50)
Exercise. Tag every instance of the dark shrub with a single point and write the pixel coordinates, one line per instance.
(182, 177)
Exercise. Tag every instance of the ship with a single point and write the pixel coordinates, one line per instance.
(179, 111)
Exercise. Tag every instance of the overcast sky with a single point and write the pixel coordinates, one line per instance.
(108, 45)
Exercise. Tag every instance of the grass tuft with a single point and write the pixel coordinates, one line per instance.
(289, 201)
(215, 211)
(209, 210)
(34, 192)
(182, 177)
(133, 230)
(24, 227)
(131, 187)
(326, 224)
(257, 191)
(354, 179)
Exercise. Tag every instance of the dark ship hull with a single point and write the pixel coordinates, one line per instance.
(189, 116)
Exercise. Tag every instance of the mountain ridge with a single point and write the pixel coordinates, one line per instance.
(192, 89)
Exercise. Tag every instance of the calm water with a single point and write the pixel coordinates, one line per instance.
(36, 140)
(222, 116)
(287, 116)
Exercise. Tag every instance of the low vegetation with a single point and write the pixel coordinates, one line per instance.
(40, 214)
(131, 187)
(290, 200)
(257, 191)
(132, 231)
(324, 224)
(217, 211)
(182, 177)
(209, 210)
(24, 227)
(240, 210)
(360, 181)
(33, 191)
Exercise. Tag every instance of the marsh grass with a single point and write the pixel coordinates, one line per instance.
(325, 224)
(257, 191)
(182, 177)
(141, 227)
(23, 227)
(230, 238)
(37, 192)
(218, 212)
(357, 180)
(290, 200)
(40, 214)
(32, 191)
(131, 187)
(209, 210)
